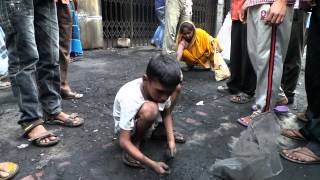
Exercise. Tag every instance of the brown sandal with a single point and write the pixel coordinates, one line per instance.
(68, 122)
(293, 134)
(27, 127)
(37, 139)
(302, 151)
(70, 95)
(241, 98)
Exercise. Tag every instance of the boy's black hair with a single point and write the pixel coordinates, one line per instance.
(164, 69)
(187, 25)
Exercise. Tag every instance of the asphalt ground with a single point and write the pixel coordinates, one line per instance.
(88, 152)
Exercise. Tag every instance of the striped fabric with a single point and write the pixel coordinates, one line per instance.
(250, 3)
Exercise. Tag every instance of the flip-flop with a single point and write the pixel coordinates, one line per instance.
(284, 132)
(70, 95)
(13, 170)
(246, 121)
(68, 122)
(241, 98)
(281, 109)
(37, 139)
(178, 137)
(283, 155)
(27, 128)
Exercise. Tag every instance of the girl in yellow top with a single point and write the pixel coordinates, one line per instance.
(196, 46)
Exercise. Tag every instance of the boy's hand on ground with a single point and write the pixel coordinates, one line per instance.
(277, 12)
(172, 148)
(161, 168)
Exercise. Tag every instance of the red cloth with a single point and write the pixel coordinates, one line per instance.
(235, 8)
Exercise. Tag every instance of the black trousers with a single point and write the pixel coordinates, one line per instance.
(312, 82)
(243, 77)
(292, 63)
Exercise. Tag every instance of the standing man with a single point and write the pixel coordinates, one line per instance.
(292, 62)
(310, 153)
(31, 30)
(242, 82)
(65, 36)
(268, 23)
(177, 11)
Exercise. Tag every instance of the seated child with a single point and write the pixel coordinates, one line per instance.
(140, 104)
(195, 46)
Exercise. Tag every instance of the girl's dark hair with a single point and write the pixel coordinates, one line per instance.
(186, 25)
(164, 69)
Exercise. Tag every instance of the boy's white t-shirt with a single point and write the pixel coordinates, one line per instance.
(127, 103)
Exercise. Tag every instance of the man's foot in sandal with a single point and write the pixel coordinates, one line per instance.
(41, 137)
(241, 98)
(8, 170)
(300, 155)
(63, 119)
(67, 93)
(293, 134)
(70, 95)
(245, 121)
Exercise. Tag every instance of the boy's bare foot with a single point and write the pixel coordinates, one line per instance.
(129, 161)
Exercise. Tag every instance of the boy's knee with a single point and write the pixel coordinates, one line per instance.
(149, 111)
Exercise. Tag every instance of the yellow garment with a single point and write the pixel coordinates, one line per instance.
(200, 50)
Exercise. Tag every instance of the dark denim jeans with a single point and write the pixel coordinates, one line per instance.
(32, 40)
